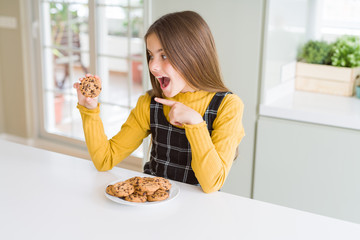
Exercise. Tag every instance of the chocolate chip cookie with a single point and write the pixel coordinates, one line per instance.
(90, 87)
(163, 183)
(134, 181)
(159, 195)
(122, 189)
(109, 190)
(148, 186)
(136, 197)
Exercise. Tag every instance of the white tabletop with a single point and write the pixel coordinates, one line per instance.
(46, 195)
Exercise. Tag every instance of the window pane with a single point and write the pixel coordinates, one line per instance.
(137, 25)
(61, 73)
(112, 31)
(68, 1)
(62, 116)
(339, 18)
(80, 67)
(113, 118)
(341, 13)
(56, 23)
(114, 75)
(114, 2)
(68, 68)
(66, 26)
(136, 3)
(137, 76)
(137, 46)
(79, 18)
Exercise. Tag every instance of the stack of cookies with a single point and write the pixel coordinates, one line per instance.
(141, 189)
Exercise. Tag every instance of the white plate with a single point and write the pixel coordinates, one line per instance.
(174, 191)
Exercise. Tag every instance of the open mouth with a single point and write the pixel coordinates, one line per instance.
(164, 81)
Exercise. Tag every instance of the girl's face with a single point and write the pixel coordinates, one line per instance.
(170, 80)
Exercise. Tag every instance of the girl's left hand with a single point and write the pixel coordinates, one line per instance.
(181, 114)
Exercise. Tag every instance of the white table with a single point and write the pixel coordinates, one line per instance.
(46, 195)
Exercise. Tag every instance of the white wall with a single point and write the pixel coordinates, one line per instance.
(1, 106)
(13, 112)
(236, 26)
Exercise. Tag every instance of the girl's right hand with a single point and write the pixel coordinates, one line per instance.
(89, 103)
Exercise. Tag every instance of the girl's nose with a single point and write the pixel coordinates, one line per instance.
(154, 66)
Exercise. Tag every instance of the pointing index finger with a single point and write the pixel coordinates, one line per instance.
(165, 101)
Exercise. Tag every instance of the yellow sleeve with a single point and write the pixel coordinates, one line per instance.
(105, 153)
(212, 156)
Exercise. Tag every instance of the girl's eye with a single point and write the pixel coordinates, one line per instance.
(163, 57)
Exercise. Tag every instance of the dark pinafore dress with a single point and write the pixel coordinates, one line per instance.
(171, 152)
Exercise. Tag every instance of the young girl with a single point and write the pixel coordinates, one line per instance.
(195, 122)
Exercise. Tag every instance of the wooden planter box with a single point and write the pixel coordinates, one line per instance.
(326, 79)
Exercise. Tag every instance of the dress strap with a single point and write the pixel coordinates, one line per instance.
(211, 111)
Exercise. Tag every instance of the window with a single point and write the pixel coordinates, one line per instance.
(339, 18)
(103, 37)
(290, 23)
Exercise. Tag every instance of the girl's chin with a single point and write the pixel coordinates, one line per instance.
(169, 94)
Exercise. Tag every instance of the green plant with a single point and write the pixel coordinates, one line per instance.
(346, 52)
(317, 52)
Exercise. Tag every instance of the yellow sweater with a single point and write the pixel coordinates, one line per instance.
(212, 156)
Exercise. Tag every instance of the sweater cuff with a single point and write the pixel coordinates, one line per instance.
(86, 111)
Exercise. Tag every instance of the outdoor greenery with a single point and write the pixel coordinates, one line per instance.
(344, 52)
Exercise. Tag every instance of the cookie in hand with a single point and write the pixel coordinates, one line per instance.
(90, 86)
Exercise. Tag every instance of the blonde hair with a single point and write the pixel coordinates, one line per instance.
(189, 45)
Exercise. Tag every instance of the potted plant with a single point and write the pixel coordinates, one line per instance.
(330, 68)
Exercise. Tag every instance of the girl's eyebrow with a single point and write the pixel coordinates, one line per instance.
(159, 50)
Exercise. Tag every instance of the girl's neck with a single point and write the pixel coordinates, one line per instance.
(189, 96)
